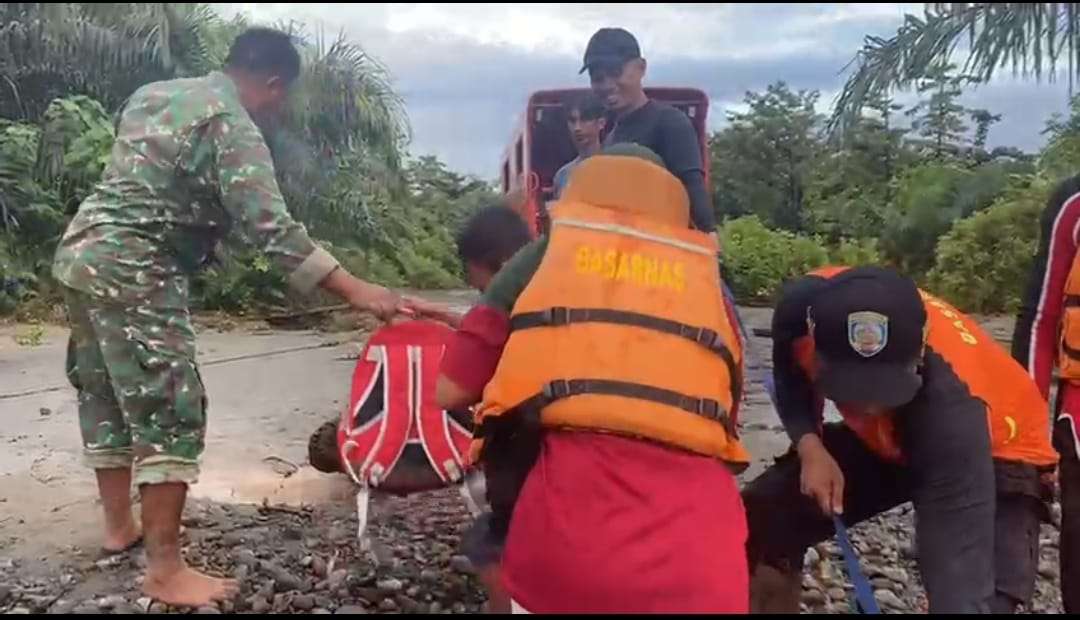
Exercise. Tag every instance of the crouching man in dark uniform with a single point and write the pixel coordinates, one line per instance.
(934, 412)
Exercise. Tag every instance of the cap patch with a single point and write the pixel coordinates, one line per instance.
(868, 332)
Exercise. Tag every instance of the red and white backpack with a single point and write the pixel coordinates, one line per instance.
(393, 437)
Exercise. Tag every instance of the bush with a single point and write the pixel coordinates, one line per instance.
(982, 264)
(926, 204)
(758, 260)
(16, 283)
(369, 265)
(76, 142)
(238, 282)
(854, 252)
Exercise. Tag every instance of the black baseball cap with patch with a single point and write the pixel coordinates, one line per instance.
(868, 325)
(610, 47)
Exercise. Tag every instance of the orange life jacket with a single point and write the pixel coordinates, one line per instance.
(1069, 336)
(623, 328)
(1017, 415)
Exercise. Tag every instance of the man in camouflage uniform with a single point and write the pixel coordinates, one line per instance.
(188, 167)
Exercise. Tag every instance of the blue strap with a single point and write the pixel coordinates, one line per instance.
(864, 595)
(865, 602)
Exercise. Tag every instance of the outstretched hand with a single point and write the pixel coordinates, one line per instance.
(419, 308)
(378, 300)
(385, 303)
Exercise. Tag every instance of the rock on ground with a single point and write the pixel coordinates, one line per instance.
(284, 572)
(891, 567)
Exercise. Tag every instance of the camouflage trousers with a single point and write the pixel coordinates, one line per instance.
(141, 399)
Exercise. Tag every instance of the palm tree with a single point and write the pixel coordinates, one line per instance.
(345, 100)
(1034, 40)
(101, 50)
(345, 120)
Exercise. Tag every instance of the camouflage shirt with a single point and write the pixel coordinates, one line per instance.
(188, 167)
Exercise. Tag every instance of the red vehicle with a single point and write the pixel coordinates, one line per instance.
(542, 144)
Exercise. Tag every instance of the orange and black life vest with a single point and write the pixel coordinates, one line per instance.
(1069, 336)
(623, 328)
(1017, 415)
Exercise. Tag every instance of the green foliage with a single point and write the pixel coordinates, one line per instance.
(761, 161)
(873, 182)
(31, 336)
(17, 284)
(372, 265)
(940, 118)
(18, 142)
(30, 216)
(1032, 39)
(1060, 158)
(105, 50)
(924, 209)
(850, 188)
(339, 153)
(792, 199)
(983, 120)
(400, 238)
(239, 281)
(74, 147)
(929, 198)
(981, 263)
(757, 260)
(854, 252)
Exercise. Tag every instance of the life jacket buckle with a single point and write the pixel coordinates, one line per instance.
(557, 316)
(707, 338)
(701, 335)
(557, 389)
(708, 408)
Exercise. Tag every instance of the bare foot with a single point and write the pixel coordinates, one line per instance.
(189, 588)
(121, 538)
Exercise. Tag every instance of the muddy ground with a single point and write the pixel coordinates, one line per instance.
(262, 514)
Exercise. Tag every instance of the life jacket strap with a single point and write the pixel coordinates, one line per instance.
(561, 316)
(1071, 352)
(525, 416)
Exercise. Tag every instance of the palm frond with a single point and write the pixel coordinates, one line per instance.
(103, 50)
(345, 101)
(1027, 38)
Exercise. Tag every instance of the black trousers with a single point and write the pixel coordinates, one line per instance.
(977, 519)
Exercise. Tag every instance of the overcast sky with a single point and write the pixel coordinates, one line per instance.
(465, 70)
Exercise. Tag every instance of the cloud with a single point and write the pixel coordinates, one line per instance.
(466, 70)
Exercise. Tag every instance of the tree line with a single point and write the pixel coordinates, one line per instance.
(65, 71)
(914, 186)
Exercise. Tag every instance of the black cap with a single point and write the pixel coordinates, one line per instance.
(610, 46)
(868, 325)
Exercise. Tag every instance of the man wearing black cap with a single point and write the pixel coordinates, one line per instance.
(616, 69)
(934, 412)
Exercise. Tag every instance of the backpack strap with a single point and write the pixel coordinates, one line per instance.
(444, 439)
(382, 418)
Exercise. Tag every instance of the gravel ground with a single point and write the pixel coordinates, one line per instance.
(307, 560)
(288, 561)
(887, 556)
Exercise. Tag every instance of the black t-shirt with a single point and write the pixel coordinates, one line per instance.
(668, 133)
